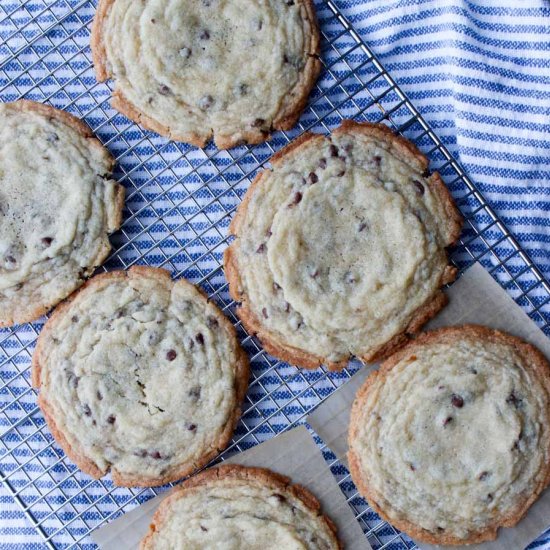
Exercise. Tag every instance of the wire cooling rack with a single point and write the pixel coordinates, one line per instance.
(178, 207)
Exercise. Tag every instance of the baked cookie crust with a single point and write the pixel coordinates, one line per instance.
(275, 195)
(264, 69)
(42, 259)
(281, 488)
(496, 508)
(112, 431)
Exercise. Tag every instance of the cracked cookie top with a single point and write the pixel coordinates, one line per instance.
(451, 438)
(340, 247)
(192, 70)
(57, 207)
(240, 508)
(141, 376)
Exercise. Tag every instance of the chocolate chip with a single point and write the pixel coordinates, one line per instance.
(204, 35)
(412, 467)
(377, 160)
(185, 52)
(258, 122)
(285, 58)
(164, 90)
(457, 401)
(418, 187)
(259, 24)
(111, 419)
(440, 529)
(279, 497)
(205, 102)
(195, 392)
(200, 338)
(489, 497)
(290, 3)
(447, 420)
(341, 173)
(323, 163)
(86, 410)
(73, 379)
(483, 476)
(264, 313)
(473, 371)
(349, 277)
(243, 89)
(313, 178)
(426, 174)
(52, 137)
(212, 322)
(153, 21)
(361, 227)
(333, 150)
(204, 528)
(514, 400)
(74, 319)
(261, 249)
(276, 286)
(297, 198)
(171, 354)
(10, 259)
(99, 395)
(156, 455)
(192, 427)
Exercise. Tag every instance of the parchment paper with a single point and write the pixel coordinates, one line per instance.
(293, 454)
(474, 298)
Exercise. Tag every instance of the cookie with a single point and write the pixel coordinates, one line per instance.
(450, 439)
(240, 508)
(191, 70)
(340, 247)
(57, 208)
(140, 376)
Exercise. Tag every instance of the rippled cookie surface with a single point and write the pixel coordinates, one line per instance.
(192, 70)
(451, 438)
(340, 247)
(57, 207)
(141, 376)
(238, 508)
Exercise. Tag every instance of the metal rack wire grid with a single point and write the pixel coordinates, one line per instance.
(179, 201)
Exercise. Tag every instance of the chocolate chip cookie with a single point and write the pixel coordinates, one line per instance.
(140, 376)
(340, 247)
(450, 439)
(57, 208)
(233, 70)
(244, 508)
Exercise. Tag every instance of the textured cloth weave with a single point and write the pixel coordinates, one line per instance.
(479, 73)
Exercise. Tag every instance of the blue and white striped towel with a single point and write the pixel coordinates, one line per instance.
(479, 72)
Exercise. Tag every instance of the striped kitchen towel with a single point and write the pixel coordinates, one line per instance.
(479, 72)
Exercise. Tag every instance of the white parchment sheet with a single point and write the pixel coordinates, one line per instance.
(474, 298)
(293, 454)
